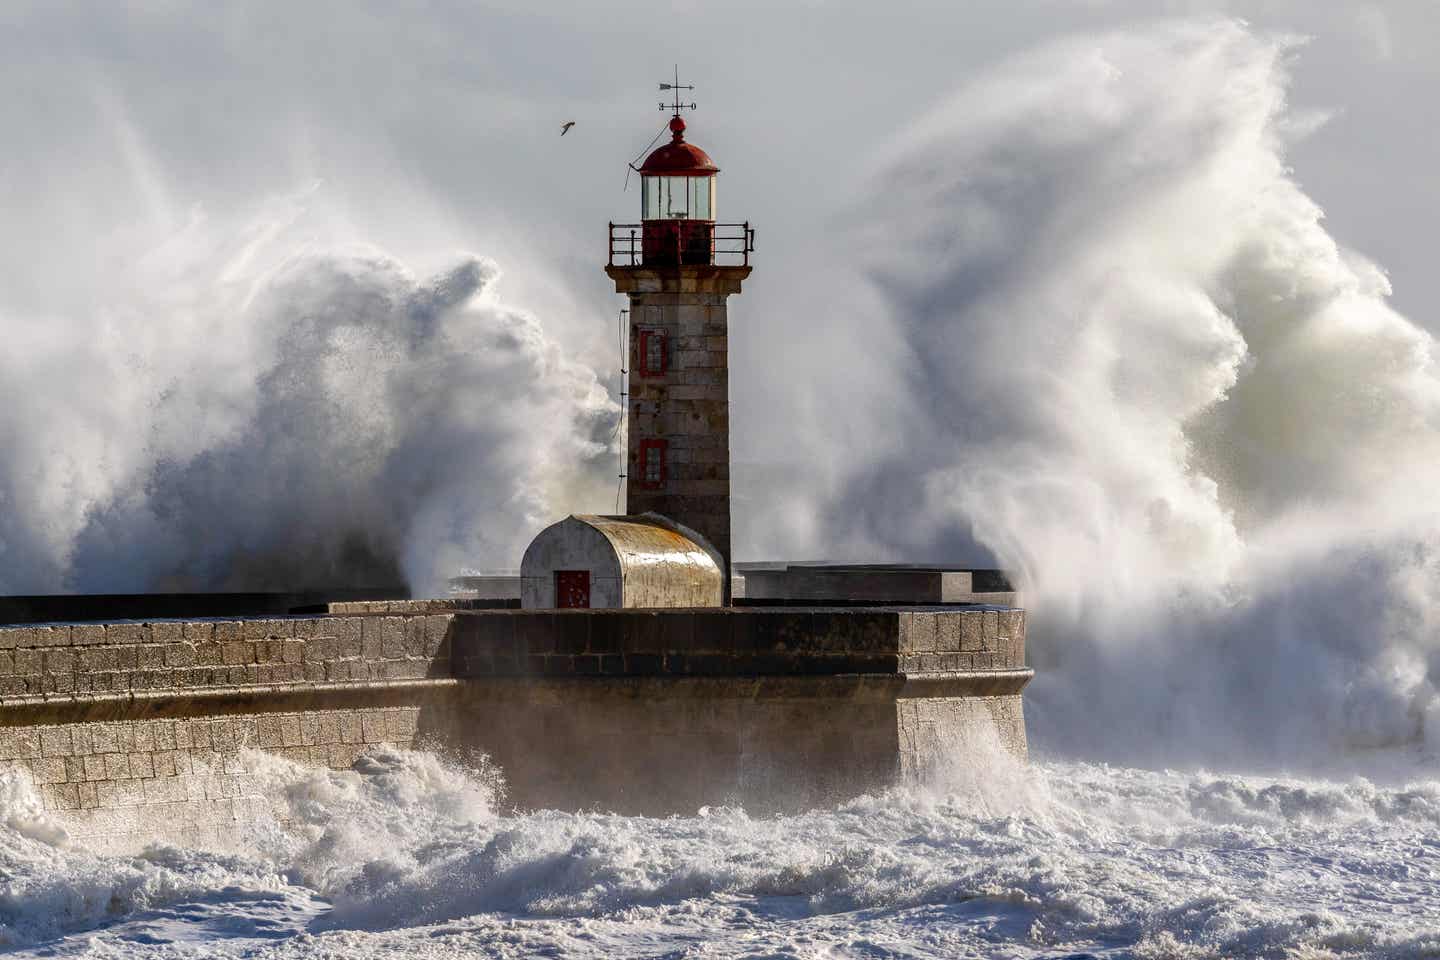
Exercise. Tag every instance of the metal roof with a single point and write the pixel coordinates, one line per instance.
(647, 541)
(678, 158)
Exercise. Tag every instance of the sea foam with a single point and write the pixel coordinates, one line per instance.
(408, 854)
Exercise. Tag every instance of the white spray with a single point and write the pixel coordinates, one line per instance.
(1126, 359)
(251, 409)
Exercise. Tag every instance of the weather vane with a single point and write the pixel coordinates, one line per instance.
(677, 86)
(675, 106)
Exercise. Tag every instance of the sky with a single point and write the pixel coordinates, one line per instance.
(455, 108)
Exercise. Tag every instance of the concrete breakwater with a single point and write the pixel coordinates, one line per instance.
(136, 730)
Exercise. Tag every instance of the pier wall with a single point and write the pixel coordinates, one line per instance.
(136, 731)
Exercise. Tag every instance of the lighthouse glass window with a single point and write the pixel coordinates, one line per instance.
(678, 198)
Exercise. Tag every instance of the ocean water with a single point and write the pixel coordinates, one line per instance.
(405, 856)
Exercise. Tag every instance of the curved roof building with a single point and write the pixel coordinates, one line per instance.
(633, 561)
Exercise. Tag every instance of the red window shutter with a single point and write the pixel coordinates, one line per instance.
(652, 464)
(654, 353)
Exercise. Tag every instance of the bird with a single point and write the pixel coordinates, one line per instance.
(566, 127)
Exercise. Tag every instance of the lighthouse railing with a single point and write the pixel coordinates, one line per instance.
(730, 245)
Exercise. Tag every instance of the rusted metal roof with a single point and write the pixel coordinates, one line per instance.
(660, 565)
(639, 541)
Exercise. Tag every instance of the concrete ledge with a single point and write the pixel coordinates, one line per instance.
(289, 697)
(869, 687)
(978, 683)
(261, 698)
(686, 278)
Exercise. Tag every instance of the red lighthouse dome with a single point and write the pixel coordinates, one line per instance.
(678, 158)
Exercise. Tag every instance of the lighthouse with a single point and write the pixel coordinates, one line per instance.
(679, 266)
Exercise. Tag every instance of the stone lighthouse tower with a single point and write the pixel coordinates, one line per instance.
(679, 267)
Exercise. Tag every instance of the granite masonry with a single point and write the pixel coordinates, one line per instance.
(136, 731)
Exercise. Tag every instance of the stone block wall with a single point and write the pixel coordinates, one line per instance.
(687, 405)
(133, 730)
(955, 641)
(82, 663)
(121, 784)
(936, 732)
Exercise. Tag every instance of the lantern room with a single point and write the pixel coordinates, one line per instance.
(677, 206)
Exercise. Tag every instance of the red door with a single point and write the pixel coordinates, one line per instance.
(572, 588)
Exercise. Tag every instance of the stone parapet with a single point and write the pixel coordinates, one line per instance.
(55, 663)
(737, 642)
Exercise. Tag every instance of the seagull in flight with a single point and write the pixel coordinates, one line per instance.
(566, 128)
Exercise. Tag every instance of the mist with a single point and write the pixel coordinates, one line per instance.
(256, 410)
